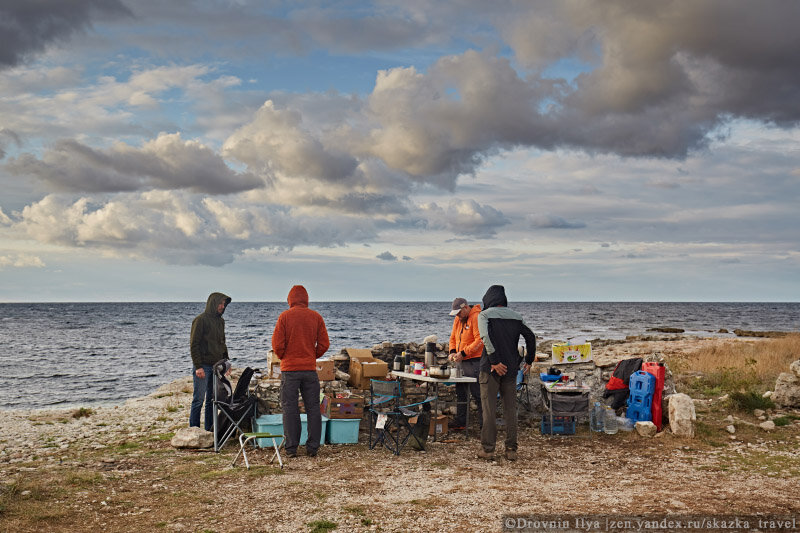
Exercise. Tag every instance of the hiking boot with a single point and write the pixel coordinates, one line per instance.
(511, 455)
(312, 453)
(483, 454)
(291, 455)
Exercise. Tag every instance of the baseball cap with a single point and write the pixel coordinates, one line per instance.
(458, 304)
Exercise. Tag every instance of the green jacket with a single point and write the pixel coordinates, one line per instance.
(207, 340)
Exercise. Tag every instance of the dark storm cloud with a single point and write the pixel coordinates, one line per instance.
(387, 256)
(28, 27)
(166, 162)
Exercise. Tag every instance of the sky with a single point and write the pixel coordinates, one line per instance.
(570, 150)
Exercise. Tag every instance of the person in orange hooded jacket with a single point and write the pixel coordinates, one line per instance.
(466, 348)
(299, 339)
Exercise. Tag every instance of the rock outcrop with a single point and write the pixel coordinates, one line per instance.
(787, 387)
(682, 415)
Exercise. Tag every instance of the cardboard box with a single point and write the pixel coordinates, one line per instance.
(273, 364)
(364, 367)
(325, 369)
(438, 425)
(344, 408)
(572, 353)
(275, 370)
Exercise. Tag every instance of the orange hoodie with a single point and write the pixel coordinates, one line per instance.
(465, 336)
(300, 336)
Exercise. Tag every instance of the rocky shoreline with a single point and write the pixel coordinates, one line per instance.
(43, 434)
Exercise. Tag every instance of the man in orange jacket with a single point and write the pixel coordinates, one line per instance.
(299, 339)
(466, 348)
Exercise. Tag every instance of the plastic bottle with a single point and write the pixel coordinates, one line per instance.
(597, 417)
(610, 421)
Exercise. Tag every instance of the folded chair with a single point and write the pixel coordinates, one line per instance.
(233, 409)
(246, 438)
(389, 417)
(523, 395)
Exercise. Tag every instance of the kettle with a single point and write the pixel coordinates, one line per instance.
(442, 371)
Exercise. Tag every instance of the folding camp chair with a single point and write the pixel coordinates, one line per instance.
(233, 410)
(246, 438)
(389, 417)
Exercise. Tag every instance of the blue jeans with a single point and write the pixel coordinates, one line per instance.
(203, 388)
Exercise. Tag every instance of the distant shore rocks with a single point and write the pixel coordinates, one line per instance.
(664, 329)
(749, 333)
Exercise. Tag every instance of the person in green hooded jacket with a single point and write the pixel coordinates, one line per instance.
(207, 346)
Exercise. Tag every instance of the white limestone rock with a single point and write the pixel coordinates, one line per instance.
(769, 425)
(787, 389)
(192, 437)
(682, 415)
(646, 428)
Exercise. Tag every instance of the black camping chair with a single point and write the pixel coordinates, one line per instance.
(389, 418)
(233, 409)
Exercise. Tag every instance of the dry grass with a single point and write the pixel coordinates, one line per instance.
(740, 366)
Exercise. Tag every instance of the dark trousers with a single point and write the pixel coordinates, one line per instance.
(506, 385)
(306, 383)
(471, 369)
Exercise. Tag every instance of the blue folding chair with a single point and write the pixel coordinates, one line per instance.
(389, 417)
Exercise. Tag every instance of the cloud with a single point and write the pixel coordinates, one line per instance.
(407, 258)
(463, 217)
(173, 227)
(275, 141)
(167, 162)
(20, 261)
(29, 27)
(386, 256)
(553, 221)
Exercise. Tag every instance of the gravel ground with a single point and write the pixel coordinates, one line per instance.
(152, 486)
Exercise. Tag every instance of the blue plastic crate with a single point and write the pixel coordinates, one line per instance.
(274, 424)
(342, 431)
(562, 425)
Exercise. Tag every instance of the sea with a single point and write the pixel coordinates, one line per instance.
(65, 355)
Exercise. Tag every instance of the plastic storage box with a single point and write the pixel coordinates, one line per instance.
(274, 424)
(562, 425)
(342, 431)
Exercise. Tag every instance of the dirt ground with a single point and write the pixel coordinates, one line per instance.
(115, 470)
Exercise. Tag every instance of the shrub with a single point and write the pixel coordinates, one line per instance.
(750, 401)
(82, 412)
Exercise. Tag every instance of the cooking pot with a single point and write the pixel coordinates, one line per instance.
(440, 371)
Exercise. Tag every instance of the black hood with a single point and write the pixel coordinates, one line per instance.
(495, 296)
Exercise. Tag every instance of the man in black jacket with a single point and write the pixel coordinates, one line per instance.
(207, 346)
(500, 329)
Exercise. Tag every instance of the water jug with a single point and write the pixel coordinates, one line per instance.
(399, 363)
(597, 417)
(610, 421)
